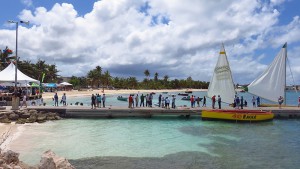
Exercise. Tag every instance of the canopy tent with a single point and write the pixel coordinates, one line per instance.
(66, 84)
(8, 75)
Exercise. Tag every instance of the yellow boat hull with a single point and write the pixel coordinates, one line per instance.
(237, 115)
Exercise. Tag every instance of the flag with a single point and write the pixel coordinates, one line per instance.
(43, 76)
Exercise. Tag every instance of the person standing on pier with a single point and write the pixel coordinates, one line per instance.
(93, 99)
(98, 100)
(253, 101)
(298, 101)
(213, 100)
(142, 100)
(173, 102)
(192, 101)
(204, 101)
(147, 100)
(103, 100)
(167, 103)
(137, 100)
(219, 101)
(258, 101)
(64, 99)
(280, 101)
(242, 102)
(159, 100)
(55, 99)
(130, 99)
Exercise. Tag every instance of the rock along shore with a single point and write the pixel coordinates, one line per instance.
(27, 116)
(49, 160)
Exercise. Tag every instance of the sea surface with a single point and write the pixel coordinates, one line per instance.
(163, 142)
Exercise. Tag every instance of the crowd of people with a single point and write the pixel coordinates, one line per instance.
(134, 100)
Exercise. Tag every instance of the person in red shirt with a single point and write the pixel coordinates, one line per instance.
(130, 100)
(192, 101)
(213, 100)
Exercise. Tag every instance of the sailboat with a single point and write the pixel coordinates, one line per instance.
(222, 84)
(271, 83)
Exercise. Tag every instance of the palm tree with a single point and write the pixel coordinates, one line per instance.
(156, 76)
(147, 74)
(98, 71)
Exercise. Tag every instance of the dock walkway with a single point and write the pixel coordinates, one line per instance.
(112, 112)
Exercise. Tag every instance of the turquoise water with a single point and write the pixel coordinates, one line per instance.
(164, 142)
(292, 99)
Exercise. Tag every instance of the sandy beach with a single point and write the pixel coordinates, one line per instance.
(76, 93)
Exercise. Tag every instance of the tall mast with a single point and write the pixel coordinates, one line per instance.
(285, 46)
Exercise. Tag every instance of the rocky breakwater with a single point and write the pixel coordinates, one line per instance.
(28, 116)
(49, 160)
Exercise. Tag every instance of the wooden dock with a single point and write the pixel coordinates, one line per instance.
(118, 112)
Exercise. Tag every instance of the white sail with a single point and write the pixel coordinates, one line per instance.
(271, 83)
(221, 82)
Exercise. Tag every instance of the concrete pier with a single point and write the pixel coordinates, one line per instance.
(118, 112)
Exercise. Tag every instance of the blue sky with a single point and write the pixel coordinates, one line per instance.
(168, 37)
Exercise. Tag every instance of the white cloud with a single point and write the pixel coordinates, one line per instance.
(28, 3)
(183, 41)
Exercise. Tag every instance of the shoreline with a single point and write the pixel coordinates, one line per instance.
(76, 93)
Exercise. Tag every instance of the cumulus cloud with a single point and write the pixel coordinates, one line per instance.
(178, 39)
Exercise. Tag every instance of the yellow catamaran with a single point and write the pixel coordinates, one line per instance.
(266, 86)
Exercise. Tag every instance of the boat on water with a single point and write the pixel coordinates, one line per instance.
(237, 115)
(188, 98)
(188, 91)
(121, 98)
(164, 92)
(183, 94)
(222, 84)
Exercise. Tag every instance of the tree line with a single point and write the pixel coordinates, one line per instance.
(97, 77)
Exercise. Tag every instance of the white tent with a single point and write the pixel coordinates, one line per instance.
(8, 75)
(66, 84)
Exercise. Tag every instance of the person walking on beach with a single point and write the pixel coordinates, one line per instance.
(103, 100)
(280, 101)
(253, 101)
(99, 100)
(93, 103)
(159, 100)
(213, 100)
(173, 102)
(219, 101)
(55, 99)
(142, 100)
(137, 100)
(204, 101)
(64, 99)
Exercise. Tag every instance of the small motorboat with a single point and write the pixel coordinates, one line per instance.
(121, 98)
(188, 98)
(183, 94)
(188, 91)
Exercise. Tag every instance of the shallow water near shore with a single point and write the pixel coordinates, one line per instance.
(164, 142)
